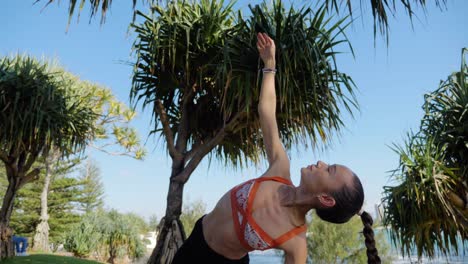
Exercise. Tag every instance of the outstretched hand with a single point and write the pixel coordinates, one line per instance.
(266, 49)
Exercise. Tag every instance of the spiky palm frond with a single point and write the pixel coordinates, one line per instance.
(38, 110)
(428, 209)
(201, 54)
(312, 93)
(446, 116)
(381, 9)
(76, 6)
(418, 209)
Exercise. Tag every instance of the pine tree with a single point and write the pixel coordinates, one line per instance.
(63, 198)
(92, 189)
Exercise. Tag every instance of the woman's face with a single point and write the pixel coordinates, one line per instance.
(323, 178)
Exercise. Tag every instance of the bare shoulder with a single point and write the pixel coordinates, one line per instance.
(280, 167)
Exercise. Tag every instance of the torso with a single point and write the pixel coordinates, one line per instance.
(219, 228)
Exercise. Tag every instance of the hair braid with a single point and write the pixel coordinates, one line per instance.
(372, 253)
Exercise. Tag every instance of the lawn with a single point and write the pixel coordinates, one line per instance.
(47, 259)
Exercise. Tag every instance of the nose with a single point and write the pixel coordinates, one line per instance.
(321, 164)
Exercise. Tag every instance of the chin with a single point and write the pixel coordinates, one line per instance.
(302, 174)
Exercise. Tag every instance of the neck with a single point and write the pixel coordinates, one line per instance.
(288, 197)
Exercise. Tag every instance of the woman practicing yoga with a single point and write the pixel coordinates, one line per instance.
(269, 211)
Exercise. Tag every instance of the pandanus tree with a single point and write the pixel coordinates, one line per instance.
(51, 113)
(428, 209)
(38, 114)
(197, 69)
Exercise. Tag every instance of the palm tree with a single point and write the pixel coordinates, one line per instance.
(38, 113)
(428, 209)
(49, 112)
(197, 70)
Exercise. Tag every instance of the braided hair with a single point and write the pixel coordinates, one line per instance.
(372, 253)
(348, 202)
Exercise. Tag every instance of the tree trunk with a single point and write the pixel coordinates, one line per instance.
(6, 243)
(41, 237)
(171, 234)
(112, 254)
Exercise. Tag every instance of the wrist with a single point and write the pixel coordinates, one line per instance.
(270, 64)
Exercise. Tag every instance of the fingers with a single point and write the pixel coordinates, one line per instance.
(260, 41)
(260, 48)
(267, 39)
(263, 40)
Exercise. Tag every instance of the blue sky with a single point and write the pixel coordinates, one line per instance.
(391, 81)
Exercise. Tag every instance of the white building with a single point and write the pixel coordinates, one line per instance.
(152, 238)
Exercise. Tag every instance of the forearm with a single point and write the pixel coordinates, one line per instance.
(267, 101)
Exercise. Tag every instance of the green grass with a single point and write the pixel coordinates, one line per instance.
(47, 259)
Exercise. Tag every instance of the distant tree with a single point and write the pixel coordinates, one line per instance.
(62, 202)
(85, 237)
(41, 109)
(108, 232)
(92, 188)
(121, 237)
(63, 194)
(153, 222)
(190, 214)
(342, 243)
(48, 111)
(138, 222)
(41, 236)
(112, 122)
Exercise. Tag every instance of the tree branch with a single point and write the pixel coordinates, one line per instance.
(199, 155)
(182, 132)
(31, 159)
(113, 153)
(167, 131)
(32, 175)
(195, 148)
(204, 149)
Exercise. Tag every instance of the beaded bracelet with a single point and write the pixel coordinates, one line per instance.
(269, 70)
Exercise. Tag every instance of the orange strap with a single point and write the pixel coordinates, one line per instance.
(249, 219)
(239, 227)
(296, 231)
(274, 178)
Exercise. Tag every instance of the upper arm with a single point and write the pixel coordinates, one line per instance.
(295, 250)
(276, 154)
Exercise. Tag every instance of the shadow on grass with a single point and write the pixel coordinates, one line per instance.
(47, 259)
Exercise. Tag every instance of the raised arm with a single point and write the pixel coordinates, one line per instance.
(277, 157)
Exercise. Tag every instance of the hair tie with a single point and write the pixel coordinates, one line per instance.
(269, 70)
(360, 211)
